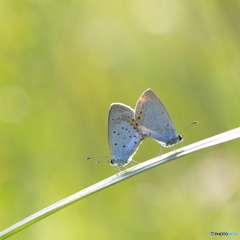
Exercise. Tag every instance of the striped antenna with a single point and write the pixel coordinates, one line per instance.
(104, 158)
(189, 126)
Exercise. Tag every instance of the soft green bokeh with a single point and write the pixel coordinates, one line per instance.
(62, 63)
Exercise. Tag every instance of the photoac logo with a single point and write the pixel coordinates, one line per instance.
(213, 234)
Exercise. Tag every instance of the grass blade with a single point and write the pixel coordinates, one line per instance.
(220, 138)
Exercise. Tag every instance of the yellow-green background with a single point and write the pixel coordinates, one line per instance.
(62, 63)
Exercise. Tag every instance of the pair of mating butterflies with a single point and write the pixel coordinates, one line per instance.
(127, 128)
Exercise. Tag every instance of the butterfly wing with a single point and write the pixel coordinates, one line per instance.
(123, 134)
(154, 119)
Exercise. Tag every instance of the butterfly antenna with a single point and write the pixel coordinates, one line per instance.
(104, 158)
(189, 126)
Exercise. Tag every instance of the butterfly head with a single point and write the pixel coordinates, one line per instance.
(112, 162)
(180, 138)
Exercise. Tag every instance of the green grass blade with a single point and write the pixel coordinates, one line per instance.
(221, 138)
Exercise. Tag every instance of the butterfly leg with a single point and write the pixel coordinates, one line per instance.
(118, 170)
(175, 148)
(123, 168)
(161, 150)
(134, 162)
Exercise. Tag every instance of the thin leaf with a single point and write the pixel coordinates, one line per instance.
(221, 138)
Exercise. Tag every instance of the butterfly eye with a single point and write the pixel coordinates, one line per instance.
(180, 137)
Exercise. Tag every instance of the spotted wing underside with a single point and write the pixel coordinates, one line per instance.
(153, 118)
(123, 134)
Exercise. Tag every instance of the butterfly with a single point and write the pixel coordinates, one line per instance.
(154, 120)
(124, 136)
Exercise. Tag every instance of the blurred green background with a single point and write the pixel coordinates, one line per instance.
(62, 63)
